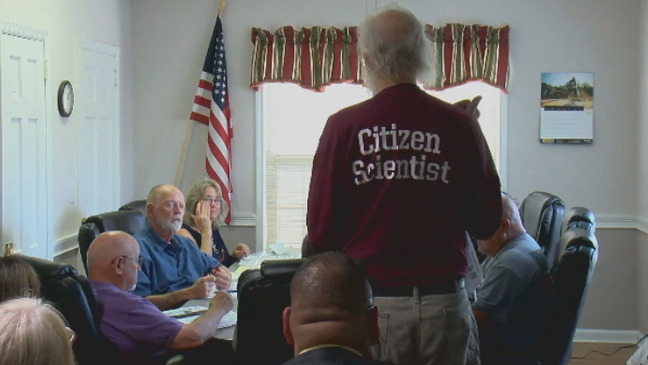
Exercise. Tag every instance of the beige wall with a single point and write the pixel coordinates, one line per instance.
(613, 299)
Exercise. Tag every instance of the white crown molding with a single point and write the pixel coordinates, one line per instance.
(22, 31)
(607, 336)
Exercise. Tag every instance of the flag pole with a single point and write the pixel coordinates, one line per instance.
(183, 153)
(190, 127)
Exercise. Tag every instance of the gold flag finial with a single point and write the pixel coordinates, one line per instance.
(9, 250)
(221, 8)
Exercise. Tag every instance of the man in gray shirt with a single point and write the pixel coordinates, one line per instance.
(512, 300)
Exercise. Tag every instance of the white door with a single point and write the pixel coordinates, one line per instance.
(24, 145)
(97, 100)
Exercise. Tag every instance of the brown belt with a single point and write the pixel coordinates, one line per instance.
(446, 287)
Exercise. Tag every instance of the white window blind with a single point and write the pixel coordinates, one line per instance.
(292, 122)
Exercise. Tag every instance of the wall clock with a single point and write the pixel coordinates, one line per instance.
(65, 98)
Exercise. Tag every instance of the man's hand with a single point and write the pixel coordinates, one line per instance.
(202, 287)
(241, 251)
(223, 277)
(223, 301)
(470, 105)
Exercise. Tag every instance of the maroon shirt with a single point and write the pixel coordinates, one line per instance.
(396, 182)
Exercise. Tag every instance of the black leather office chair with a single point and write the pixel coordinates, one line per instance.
(138, 205)
(263, 295)
(129, 221)
(542, 215)
(75, 297)
(570, 281)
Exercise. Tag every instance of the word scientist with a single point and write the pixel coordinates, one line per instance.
(375, 140)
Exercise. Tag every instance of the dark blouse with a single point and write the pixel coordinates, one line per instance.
(217, 244)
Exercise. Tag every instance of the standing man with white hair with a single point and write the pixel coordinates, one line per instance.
(397, 181)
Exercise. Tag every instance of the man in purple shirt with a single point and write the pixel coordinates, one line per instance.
(141, 332)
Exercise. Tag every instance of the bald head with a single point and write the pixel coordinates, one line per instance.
(110, 258)
(511, 212)
(160, 191)
(510, 227)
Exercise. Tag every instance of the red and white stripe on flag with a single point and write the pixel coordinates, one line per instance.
(211, 107)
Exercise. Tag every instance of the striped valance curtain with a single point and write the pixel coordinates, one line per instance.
(470, 52)
(317, 56)
(311, 57)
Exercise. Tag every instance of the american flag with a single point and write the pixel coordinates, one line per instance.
(211, 107)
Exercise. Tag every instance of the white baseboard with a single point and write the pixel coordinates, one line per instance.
(607, 336)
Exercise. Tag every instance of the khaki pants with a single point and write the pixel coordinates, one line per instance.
(433, 329)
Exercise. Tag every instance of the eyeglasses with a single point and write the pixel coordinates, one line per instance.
(217, 201)
(138, 260)
(71, 334)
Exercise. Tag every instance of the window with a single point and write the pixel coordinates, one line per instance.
(291, 122)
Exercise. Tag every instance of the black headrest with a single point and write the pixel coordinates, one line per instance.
(48, 269)
(533, 207)
(578, 237)
(129, 221)
(280, 270)
(579, 217)
(139, 205)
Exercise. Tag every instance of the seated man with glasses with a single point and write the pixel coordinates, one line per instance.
(205, 212)
(174, 270)
(331, 318)
(141, 332)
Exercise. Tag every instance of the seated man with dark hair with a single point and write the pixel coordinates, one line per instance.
(331, 318)
(512, 300)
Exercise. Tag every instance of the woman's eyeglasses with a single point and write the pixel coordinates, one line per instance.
(71, 334)
(209, 200)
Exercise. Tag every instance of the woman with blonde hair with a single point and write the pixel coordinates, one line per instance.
(34, 333)
(205, 211)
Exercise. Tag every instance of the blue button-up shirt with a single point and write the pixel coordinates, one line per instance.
(168, 267)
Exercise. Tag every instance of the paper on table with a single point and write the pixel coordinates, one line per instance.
(187, 311)
(228, 320)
